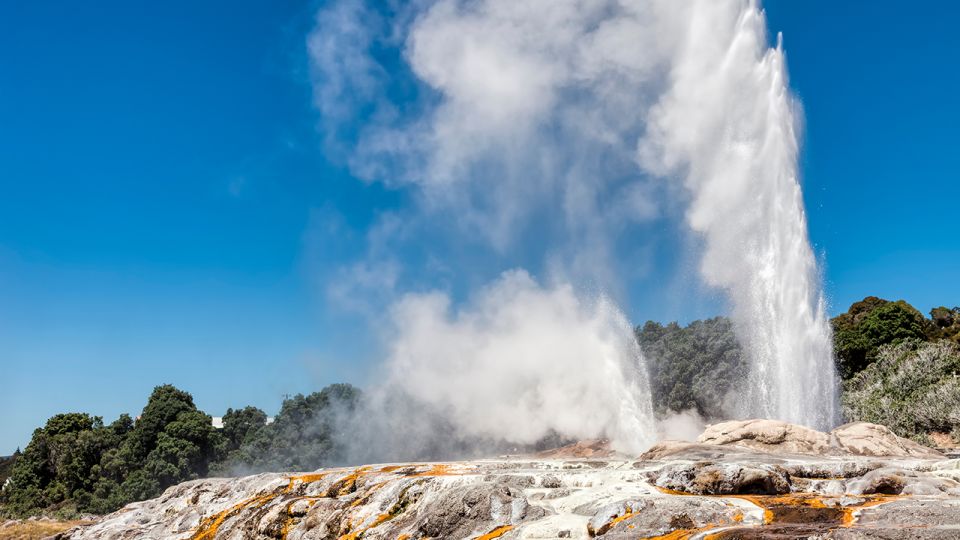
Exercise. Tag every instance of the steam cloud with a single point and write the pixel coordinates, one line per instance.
(523, 361)
(551, 123)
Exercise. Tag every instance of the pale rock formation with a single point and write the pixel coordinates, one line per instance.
(865, 439)
(767, 436)
(774, 436)
(750, 479)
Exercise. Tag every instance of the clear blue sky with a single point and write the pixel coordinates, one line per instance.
(162, 175)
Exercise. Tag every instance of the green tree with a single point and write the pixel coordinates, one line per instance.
(75, 462)
(693, 366)
(305, 435)
(242, 425)
(947, 322)
(871, 323)
(55, 466)
(165, 404)
(172, 441)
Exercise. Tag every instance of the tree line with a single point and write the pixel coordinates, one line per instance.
(77, 464)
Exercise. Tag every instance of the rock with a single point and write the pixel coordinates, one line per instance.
(897, 481)
(550, 481)
(831, 468)
(663, 516)
(458, 513)
(906, 519)
(705, 478)
(774, 436)
(590, 448)
(865, 439)
(611, 514)
(688, 450)
(768, 436)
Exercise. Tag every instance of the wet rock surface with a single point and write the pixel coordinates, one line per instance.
(726, 490)
(711, 478)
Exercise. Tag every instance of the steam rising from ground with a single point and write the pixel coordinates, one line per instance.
(522, 361)
(541, 129)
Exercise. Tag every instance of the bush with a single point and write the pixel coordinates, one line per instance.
(912, 387)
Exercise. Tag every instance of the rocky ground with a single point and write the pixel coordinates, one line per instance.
(741, 480)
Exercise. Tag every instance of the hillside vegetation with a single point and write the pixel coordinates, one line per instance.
(911, 387)
(897, 367)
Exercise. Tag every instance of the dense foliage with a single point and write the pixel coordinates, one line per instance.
(912, 387)
(871, 323)
(303, 437)
(75, 463)
(692, 366)
(6, 466)
(900, 368)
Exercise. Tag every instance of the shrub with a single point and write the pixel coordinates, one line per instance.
(912, 387)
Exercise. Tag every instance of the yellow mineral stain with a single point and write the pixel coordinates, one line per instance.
(357, 534)
(304, 479)
(849, 512)
(679, 534)
(347, 484)
(770, 502)
(440, 469)
(207, 530)
(627, 515)
(288, 522)
(683, 534)
(496, 533)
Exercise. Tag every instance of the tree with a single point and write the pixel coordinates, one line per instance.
(947, 322)
(871, 323)
(165, 404)
(75, 462)
(55, 466)
(172, 441)
(305, 435)
(242, 425)
(693, 366)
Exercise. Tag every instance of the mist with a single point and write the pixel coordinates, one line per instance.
(519, 362)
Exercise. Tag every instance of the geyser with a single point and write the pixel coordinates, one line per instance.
(728, 126)
(538, 133)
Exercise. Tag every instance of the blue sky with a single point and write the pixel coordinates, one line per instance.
(170, 210)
